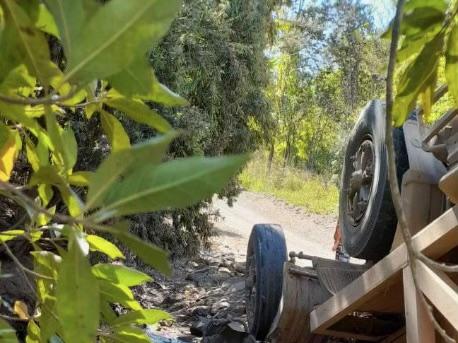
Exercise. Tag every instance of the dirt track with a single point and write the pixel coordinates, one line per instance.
(310, 233)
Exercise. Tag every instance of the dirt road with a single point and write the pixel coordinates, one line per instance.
(310, 233)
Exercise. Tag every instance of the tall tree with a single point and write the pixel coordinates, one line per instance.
(214, 56)
(333, 61)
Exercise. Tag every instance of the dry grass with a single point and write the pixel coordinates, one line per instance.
(297, 187)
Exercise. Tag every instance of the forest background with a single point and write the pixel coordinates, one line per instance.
(99, 138)
(284, 78)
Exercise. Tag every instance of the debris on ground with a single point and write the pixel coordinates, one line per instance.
(206, 298)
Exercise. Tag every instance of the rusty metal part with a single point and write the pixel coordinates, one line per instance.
(302, 291)
(442, 138)
(440, 124)
(300, 255)
(361, 180)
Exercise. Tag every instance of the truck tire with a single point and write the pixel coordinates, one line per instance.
(266, 255)
(366, 213)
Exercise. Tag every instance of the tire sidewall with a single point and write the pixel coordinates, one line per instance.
(370, 123)
(269, 275)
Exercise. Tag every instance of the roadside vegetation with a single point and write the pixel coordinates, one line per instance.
(119, 120)
(315, 193)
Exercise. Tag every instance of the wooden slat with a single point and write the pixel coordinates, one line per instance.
(390, 299)
(449, 184)
(359, 291)
(440, 290)
(440, 236)
(419, 326)
(341, 334)
(397, 337)
(440, 124)
(436, 239)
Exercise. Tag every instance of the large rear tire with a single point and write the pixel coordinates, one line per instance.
(265, 258)
(367, 216)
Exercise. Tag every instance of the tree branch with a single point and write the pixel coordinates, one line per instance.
(394, 186)
(49, 100)
(21, 266)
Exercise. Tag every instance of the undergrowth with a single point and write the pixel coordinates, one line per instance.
(315, 193)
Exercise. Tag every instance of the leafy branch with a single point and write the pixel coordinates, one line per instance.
(49, 100)
(413, 253)
(74, 298)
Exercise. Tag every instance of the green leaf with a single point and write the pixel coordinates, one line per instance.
(421, 19)
(138, 80)
(120, 274)
(114, 293)
(127, 334)
(65, 88)
(33, 332)
(37, 155)
(97, 243)
(69, 17)
(70, 148)
(163, 95)
(80, 178)
(10, 234)
(7, 334)
(46, 263)
(95, 105)
(18, 82)
(135, 80)
(118, 164)
(106, 41)
(107, 312)
(35, 235)
(48, 323)
(427, 95)
(421, 23)
(414, 79)
(77, 293)
(413, 44)
(174, 184)
(45, 21)
(43, 219)
(10, 145)
(117, 136)
(32, 155)
(141, 113)
(23, 43)
(48, 175)
(63, 141)
(141, 317)
(17, 115)
(451, 62)
(149, 253)
(46, 193)
(440, 5)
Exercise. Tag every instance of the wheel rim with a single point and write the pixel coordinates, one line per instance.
(250, 290)
(360, 182)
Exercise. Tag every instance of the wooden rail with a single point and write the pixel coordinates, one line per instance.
(380, 289)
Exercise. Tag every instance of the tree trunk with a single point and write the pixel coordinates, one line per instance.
(271, 157)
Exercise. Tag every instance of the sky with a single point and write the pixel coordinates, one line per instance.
(383, 11)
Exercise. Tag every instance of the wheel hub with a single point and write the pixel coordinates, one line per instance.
(361, 178)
